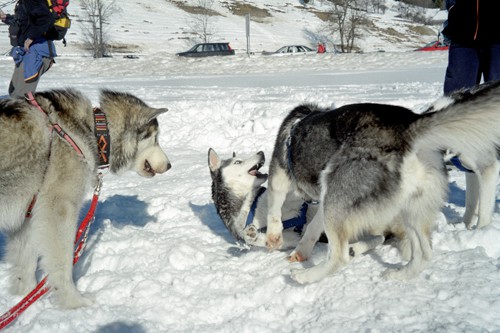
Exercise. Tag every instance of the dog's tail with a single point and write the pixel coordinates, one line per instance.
(469, 126)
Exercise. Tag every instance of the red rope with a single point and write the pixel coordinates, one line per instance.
(41, 289)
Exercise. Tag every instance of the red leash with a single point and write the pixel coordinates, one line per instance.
(41, 289)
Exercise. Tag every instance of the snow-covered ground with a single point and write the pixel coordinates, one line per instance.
(159, 258)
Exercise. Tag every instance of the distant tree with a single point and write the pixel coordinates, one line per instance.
(97, 15)
(413, 13)
(346, 20)
(378, 6)
(201, 23)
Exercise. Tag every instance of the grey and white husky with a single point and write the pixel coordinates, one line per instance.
(481, 183)
(241, 201)
(36, 161)
(373, 165)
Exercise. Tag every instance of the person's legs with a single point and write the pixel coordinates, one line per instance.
(463, 68)
(491, 61)
(19, 87)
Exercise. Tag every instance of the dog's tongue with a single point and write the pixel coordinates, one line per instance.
(254, 172)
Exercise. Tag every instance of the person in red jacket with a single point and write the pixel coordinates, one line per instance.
(473, 28)
(321, 48)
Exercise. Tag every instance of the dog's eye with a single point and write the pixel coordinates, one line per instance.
(237, 162)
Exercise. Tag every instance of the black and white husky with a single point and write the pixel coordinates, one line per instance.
(241, 201)
(372, 165)
(34, 160)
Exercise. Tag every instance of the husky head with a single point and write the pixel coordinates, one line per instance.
(134, 134)
(234, 180)
(236, 175)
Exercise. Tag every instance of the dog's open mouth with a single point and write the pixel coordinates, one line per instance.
(148, 169)
(254, 171)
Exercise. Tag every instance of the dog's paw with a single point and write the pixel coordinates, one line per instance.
(316, 273)
(274, 241)
(72, 299)
(296, 256)
(274, 235)
(250, 234)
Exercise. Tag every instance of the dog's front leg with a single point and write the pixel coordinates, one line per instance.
(55, 234)
(338, 245)
(279, 184)
(60, 201)
(309, 239)
(23, 257)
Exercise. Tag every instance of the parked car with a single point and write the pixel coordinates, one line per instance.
(291, 49)
(434, 46)
(207, 50)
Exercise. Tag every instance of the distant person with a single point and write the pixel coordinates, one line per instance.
(33, 54)
(473, 28)
(321, 48)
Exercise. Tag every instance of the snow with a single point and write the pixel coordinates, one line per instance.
(159, 259)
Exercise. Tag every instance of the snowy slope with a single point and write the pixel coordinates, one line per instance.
(163, 26)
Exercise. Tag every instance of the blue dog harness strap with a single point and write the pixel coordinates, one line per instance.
(251, 213)
(297, 222)
(456, 162)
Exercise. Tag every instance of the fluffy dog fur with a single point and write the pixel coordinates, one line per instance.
(236, 183)
(371, 165)
(36, 161)
(481, 184)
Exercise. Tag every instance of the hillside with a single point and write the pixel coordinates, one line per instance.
(145, 27)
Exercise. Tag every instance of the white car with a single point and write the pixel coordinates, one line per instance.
(291, 49)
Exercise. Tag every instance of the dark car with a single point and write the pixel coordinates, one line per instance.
(207, 50)
(434, 46)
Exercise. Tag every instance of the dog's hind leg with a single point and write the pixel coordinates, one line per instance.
(279, 184)
(360, 247)
(471, 198)
(487, 189)
(417, 231)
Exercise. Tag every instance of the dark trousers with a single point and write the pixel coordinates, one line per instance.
(467, 65)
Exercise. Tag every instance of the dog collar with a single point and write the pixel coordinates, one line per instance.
(103, 138)
(297, 222)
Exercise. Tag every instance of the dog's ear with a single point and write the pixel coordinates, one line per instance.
(154, 112)
(213, 160)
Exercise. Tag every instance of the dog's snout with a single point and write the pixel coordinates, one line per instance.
(164, 168)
